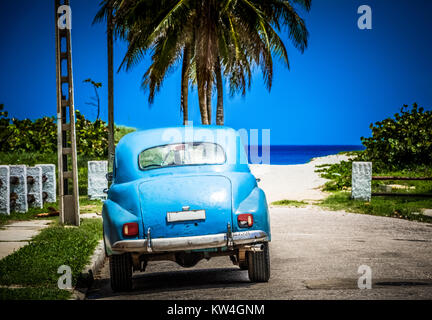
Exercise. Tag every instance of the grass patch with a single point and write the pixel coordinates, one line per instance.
(339, 176)
(290, 203)
(90, 206)
(396, 207)
(34, 294)
(339, 184)
(36, 264)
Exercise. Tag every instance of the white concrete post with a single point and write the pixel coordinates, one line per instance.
(49, 192)
(4, 190)
(361, 181)
(97, 181)
(34, 187)
(18, 188)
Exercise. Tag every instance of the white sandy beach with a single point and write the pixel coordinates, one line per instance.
(293, 182)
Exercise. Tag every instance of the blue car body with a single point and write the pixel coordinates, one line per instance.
(146, 196)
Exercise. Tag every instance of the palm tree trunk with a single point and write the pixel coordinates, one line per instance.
(202, 103)
(202, 96)
(219, 85)
(185, 85)
(209, 98)
(201, 61)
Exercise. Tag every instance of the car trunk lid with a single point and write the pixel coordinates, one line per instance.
(180, 206)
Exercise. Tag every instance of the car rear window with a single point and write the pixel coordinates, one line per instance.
(182, 154)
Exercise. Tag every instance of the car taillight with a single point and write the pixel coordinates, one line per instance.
(245, 220)
(130, 229)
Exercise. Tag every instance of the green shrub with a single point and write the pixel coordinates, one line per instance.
(339, 175)
(399, 146)
(40, 135)
(400, 142)
(92, 137)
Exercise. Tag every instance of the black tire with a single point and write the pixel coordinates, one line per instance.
(259, 264)
(121, 272)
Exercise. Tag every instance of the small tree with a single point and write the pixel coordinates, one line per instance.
(96, 99)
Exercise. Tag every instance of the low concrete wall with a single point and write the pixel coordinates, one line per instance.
(18, 189)
(22, 187)
(97, 181)
(34, 187)
(49, 186)
(4, 190)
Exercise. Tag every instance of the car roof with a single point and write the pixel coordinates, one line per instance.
(161, 136)
(132, 144)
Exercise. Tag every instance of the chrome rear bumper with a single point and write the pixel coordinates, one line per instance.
(190, 243)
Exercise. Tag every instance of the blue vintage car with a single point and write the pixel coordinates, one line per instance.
(184, 194)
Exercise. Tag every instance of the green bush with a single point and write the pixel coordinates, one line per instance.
(339, 175)
(40, 135)
(399, 146)
(400, 142)
(34, 142)
(92, 137)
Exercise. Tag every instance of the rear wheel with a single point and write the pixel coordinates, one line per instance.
(121, 272)
(259, 264)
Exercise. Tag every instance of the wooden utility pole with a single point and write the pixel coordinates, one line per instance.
(66, 138)
(110, 41)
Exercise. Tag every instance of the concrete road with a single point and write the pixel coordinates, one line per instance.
(315, 254)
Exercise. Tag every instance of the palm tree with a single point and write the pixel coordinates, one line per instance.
(214, 38)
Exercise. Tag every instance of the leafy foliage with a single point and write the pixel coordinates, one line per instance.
(30, 143)
(339, 175)
(25, 135)
(92, 137)
(399, 146)
(401, 142)
(22, 136)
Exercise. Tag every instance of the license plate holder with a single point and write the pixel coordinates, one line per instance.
(189, 215)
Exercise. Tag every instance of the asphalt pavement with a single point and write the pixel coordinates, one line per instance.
(315, 254)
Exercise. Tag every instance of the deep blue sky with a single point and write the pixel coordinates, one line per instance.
(345, 80)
